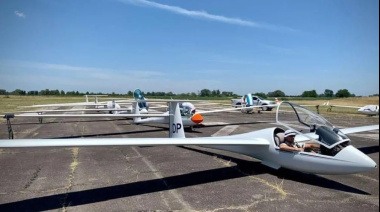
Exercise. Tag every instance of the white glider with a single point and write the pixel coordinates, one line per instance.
(337, 155)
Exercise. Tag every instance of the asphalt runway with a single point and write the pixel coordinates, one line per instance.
(172, 178)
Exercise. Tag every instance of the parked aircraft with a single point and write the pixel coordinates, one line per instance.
(113, 107)
(371, 110)
(336, 156)
(189, 114)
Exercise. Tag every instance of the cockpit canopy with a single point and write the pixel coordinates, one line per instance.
(310, 125)
(187, 109)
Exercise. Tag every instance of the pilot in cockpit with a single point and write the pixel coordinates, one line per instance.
(289, 145)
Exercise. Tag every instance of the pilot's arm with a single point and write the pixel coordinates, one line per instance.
(285, 147)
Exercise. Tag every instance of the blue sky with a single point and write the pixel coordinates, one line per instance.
(188, 45)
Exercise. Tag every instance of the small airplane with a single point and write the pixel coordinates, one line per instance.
(370, 110)
(336, 156)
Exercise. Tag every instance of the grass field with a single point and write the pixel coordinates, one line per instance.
(12, 103)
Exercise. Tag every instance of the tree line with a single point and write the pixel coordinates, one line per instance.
(202, 93)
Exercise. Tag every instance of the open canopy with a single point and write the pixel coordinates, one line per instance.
(311, 125)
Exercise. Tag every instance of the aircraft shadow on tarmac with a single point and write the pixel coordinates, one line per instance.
(250, 168)
(369, 149)
(77, 198)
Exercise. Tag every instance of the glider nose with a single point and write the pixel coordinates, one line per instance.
(358, 161)
(197, 118)
(144, 111)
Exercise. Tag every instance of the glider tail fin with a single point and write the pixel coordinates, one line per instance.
(136, 111)
(175, 124)
(138, 95)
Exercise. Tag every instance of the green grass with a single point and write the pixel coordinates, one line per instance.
(11, 103)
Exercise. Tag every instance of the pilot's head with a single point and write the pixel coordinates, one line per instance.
(290, 135)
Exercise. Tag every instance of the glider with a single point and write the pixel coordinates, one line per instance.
(336, 156)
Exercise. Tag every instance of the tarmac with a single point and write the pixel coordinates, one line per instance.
(172, 178)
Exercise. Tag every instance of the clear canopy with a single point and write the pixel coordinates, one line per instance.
(310, 124)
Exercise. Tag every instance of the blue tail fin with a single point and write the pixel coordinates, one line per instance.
(138, 95)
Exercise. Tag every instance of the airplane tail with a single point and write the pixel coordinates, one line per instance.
(176, 128)
(175, 124)
(138, 95)
(136, 111)
(86, 98)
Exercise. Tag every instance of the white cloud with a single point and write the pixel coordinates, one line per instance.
(20, 14)
(78, 70)
(205, 15)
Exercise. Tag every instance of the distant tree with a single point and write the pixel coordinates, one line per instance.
(215, 92)
(227, 93)
(44, 92)
(193, 94)
(70, 93)
(262, 95)
(32, 93)
(276, 93)
(329, 93)
(205, 92)
(55, 92)
(343, 93)
(18, 92)
(311, 93)
(63, 92)
(3, 92)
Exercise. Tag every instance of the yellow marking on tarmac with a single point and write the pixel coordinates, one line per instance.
(75, 163)
(158, 175)
(73, 166)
